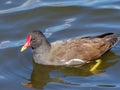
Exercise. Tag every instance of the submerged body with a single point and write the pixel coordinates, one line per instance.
(72, 51)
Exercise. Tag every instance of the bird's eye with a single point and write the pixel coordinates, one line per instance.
(33, 39)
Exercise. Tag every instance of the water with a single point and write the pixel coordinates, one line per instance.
(58, 19)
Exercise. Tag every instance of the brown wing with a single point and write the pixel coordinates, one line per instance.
(88, 48)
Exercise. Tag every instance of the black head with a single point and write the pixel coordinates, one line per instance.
(35, 39)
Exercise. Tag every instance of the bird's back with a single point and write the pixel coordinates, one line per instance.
(85, 48)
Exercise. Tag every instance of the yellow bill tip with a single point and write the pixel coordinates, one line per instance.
(23, 48)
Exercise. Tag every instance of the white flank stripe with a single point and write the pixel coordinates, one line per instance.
(75, 60)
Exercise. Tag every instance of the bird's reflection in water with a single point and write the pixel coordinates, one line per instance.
(44, 74)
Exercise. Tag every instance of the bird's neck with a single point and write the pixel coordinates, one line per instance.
(41, 54)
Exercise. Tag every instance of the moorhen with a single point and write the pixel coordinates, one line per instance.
(68, 52)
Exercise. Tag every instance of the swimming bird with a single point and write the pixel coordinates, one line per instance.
(73, 51)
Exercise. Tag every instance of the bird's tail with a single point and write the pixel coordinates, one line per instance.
(105, 35)
(114, 41)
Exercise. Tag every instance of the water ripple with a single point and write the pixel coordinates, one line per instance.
(31, 4)
(65, 25)
(2, 77)
(8, 43)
